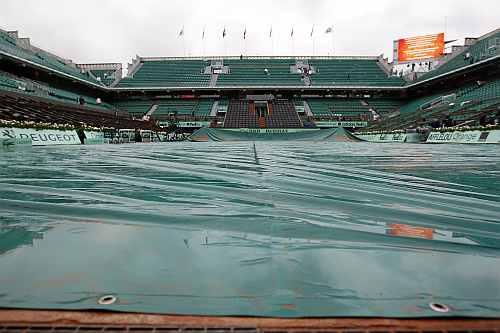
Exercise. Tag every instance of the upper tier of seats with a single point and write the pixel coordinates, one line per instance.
(168, 73)
(107, 76)
(351, 72)
(486, 47)
(188, 72)
(259, 72)
(26, 86)
(10, 46)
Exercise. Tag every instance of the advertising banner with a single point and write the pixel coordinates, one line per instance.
(44, 137)
(465, 137)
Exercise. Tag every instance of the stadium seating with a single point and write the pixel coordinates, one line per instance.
(28, 108)
(282, 114)
(105, 75)
(383, 106)
(350, 72)
(17, 84)
(462, 104)
(332, 107)
(483, 49)
(136, 108)
(168, 73)
(252, 72)
(9, 45)
(184, 107)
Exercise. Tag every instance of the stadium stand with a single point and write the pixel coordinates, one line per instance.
(283, 115)
(186, 107)
(384, 106)
(168, 73)
(259, 72)
(136, 108)
(105, 76)
(280, 114)
(29, 108)
(17, 84)
(350, 72)
(339, 108)
(238, 115)
(10, 46)
(455, 107)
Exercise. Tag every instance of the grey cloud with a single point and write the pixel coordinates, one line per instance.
(117, 30)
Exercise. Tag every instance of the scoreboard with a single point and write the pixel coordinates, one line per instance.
(419, 48)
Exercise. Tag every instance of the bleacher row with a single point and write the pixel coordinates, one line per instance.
(172, 73)
(10, 82)
(106, 76)
(241, 114)
(168, 107)
(259, 72)
(351, 107)
(252, 72)
(28, 108)
(456, 106)
(348, 72)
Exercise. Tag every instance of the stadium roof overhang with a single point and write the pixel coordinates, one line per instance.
(50, 70)
(294, 89)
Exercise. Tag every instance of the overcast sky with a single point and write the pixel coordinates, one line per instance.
(93, 31)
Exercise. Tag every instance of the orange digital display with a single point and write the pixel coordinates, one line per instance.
(419, 48)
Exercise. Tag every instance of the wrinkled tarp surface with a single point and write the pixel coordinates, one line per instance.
(221, 134)
(257, 229)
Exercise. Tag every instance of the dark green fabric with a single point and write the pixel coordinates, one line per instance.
(289, 229)
(220, 134)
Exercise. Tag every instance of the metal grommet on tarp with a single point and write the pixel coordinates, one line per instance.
(107, 300)
(439, 307)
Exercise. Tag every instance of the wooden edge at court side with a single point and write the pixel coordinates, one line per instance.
(40, 320)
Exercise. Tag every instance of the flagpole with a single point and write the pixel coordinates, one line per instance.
(313, 41)
(203, 42)
(333, 44)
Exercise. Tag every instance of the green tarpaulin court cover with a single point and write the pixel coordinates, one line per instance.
(280, 229)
